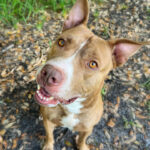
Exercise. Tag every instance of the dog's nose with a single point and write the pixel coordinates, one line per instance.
(51, 76)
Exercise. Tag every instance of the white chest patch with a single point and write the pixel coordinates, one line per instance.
(70, 121)
(75, 106)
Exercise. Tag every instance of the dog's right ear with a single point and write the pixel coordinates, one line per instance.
(78, 15)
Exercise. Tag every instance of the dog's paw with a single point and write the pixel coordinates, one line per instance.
(47, 147)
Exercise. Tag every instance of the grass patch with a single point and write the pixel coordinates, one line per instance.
(124, 7)
(106, 31)
(148, 13)
(14, 11)
(57, 5)
(96, 14)
(130, 124)
(100, 1)
(148, 107)
(146, 84)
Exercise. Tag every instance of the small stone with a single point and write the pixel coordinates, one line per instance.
(101, 146)
(107, 134)
(64, 148)
(25, 78)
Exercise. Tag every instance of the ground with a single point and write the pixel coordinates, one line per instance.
(125, 124)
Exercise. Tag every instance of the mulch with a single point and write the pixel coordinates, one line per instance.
(125, 124)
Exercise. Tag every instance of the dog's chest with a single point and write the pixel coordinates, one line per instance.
(71, 119)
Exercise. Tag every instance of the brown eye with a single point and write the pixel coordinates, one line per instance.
(61, 42)
(93, 64)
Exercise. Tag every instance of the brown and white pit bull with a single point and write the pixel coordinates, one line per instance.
(72, 78)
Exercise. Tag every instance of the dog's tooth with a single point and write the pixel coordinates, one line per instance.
(38, 86)
(40, 96)
(44, 98)
(51, 98)
(38, 93)
(47, 99)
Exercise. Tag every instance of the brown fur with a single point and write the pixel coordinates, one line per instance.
(86, 81)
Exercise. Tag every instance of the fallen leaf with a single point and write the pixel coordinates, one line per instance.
(9, 125)
(137, 113)
(2, 132)
(130, 140)
(14, 143)
(111, 123)
(4, 73)
(131, 133)
(118, 103)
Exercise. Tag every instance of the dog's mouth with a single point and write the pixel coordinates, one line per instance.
(46, 99)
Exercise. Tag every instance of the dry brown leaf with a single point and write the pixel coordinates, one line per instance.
(2, 132)
(131, 133)
(12, 117)
(118, 103)
(20, 57)
(14, 143)
(148, 97)
(137, 113)
(4, 73)
(111, 123)
(91, 146)
(130, 140)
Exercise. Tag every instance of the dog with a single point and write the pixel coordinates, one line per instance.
(70, 81)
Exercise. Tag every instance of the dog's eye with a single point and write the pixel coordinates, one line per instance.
(61, 42)
(93, 64)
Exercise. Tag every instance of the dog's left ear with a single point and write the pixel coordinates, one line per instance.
(122, 49)
(78, 15)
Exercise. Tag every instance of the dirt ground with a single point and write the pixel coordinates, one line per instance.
(125, 124)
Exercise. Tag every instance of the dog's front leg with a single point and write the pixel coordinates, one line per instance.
(49, 128)
(81, 143)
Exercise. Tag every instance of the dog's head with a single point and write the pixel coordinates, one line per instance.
(79, 61)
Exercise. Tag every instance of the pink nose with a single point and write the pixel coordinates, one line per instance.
(51, 76)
